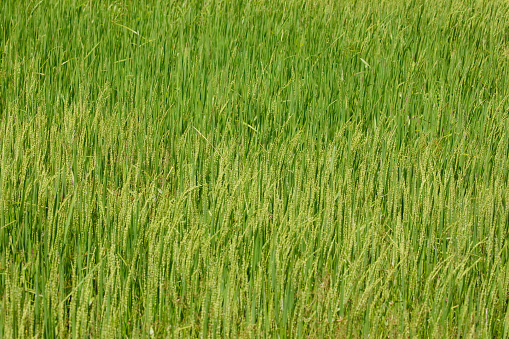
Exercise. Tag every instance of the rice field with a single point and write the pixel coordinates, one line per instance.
(286, 169)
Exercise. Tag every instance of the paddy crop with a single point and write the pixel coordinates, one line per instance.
(256, 168)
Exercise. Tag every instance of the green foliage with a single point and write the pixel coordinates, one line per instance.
(254, 168)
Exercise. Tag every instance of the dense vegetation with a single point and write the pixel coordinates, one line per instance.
(254, 168)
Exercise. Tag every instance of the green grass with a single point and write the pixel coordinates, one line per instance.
(257, 168)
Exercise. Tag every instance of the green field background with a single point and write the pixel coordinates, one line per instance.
(287, 169)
